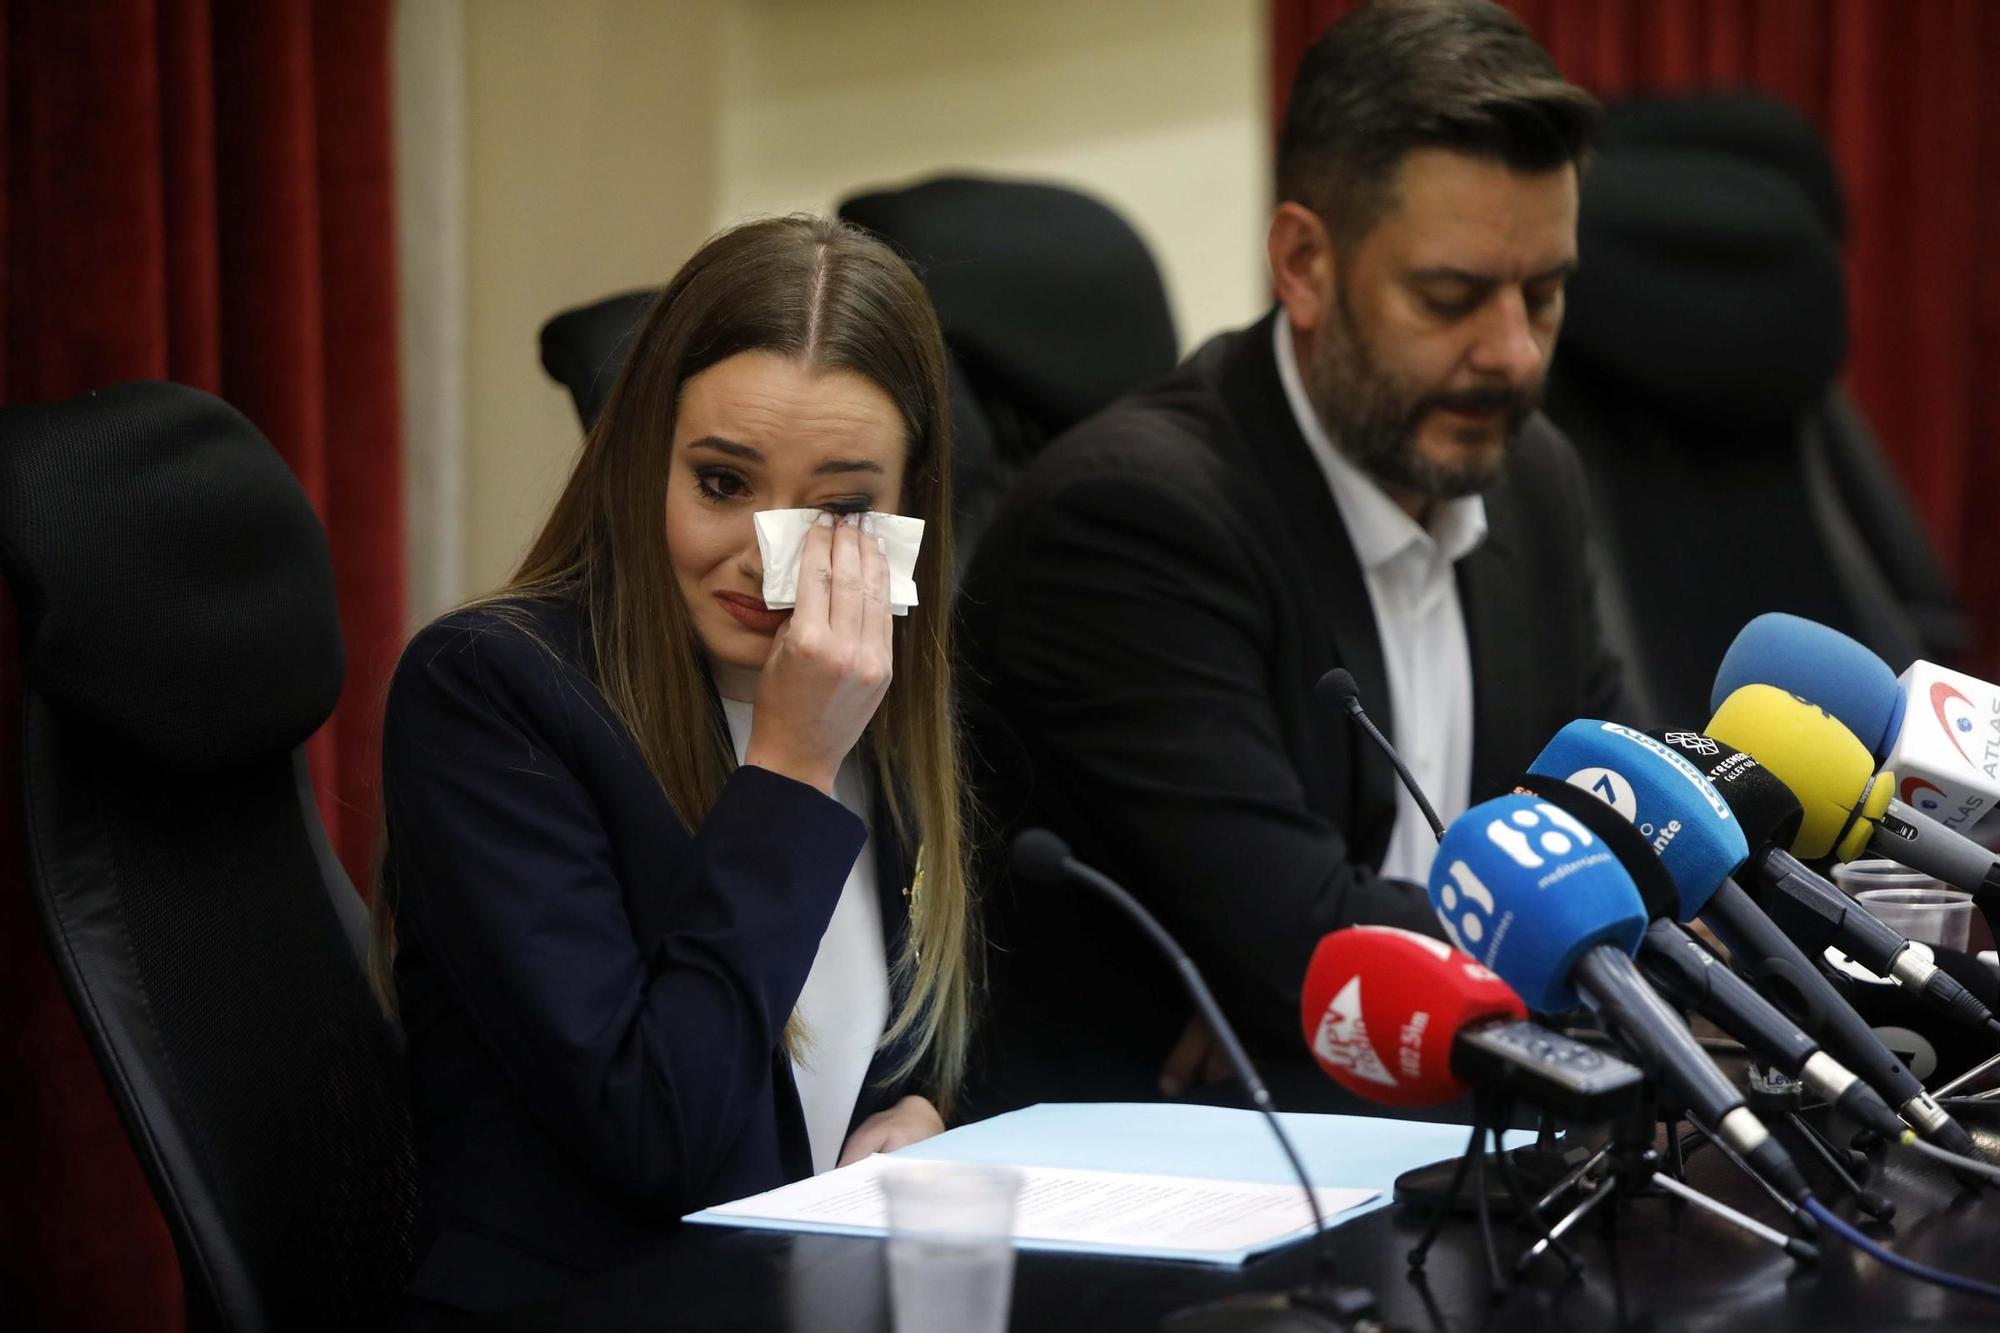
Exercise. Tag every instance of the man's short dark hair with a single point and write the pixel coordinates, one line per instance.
(1398, 75)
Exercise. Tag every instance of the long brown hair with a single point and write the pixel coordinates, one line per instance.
(836, 298)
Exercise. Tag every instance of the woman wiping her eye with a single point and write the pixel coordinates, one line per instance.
(676, 880)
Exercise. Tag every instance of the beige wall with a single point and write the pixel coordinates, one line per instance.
(607, 137)
(1157, 106)
(592, 161)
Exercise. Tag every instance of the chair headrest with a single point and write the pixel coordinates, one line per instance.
(583, 349)
(1045, 290)
(173, 582)
(1748, 126)
(1709, 286)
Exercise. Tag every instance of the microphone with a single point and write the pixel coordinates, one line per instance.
(1693, 978)
(1848, 805)
(1701, 844)
(1337, 689)
(1491, 886)
(1814, 662)
(1406, 1020)
(1812, 911)
(1937, 729)
(1042, 857)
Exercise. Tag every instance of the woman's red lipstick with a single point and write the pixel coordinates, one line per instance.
(751, 613)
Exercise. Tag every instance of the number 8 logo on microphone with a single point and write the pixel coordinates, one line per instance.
(1530, 837)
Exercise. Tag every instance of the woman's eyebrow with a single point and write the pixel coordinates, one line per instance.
(833, 466)
(729, 447)
(830, 467)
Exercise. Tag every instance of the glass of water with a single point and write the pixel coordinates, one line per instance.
(1909, 901)
(951, 1250)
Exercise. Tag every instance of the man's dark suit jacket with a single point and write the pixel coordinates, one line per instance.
(1143, 628)
(594, 997)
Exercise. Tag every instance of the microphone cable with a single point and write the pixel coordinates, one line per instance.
(1957, 1161)
(1888, 1258)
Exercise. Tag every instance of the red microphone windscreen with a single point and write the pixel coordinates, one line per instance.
(1381, 1007)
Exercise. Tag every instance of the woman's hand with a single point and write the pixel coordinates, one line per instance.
(1197, 1057)
(911, 1120)
(831, 663)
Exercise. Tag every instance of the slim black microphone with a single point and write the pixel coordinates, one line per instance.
(1817, 914)
(1042, 857)
(1807, 908)
(1337, 688)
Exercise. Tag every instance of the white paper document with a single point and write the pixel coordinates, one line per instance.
(1168, 1217)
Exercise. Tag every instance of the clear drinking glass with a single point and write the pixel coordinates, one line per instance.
(1858, 877)
(951, 1252)
(1909, 902)
(1935, 916)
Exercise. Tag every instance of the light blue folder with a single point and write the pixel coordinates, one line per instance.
(1208, 1142)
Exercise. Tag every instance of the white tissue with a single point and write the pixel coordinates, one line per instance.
(781, 541)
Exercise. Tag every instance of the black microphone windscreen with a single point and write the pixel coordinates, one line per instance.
(1337, 688)
(1763, 805)
(1039, 856)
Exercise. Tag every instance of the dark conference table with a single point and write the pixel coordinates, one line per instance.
(1662, 1266)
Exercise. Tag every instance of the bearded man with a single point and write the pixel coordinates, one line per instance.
(1361, 480)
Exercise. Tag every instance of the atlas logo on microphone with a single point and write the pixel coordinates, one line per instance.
(1926, 796)
(1946, 754)
(1955, 721)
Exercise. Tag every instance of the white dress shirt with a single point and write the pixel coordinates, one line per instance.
(845, 1005)
(1408, 570)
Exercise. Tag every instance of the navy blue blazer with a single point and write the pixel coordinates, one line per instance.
(594, 996)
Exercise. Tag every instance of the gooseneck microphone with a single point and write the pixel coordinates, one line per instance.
(1337, 688)
(1044, 858)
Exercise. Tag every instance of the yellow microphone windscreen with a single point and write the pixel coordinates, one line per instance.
(1828, 770)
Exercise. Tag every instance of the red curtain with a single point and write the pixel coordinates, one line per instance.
(1896, 87)
(196, 190)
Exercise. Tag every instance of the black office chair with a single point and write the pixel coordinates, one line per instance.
(1696, 375)
(179, 644)
(1049, 299)
(1051, 304)
(1766, 132)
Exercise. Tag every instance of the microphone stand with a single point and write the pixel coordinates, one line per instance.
(1628, 1167)
(1778, 1101)
(1493, 1113)
(1629, 1161)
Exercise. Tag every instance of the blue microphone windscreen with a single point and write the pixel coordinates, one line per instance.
(1526, 889)
(1679, 811)
(1821, 666)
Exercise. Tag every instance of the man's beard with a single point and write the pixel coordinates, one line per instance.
(1374, 418)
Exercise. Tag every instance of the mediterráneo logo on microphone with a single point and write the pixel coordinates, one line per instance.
(1532, 838)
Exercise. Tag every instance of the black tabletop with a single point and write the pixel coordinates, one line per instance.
(1657, 1265)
